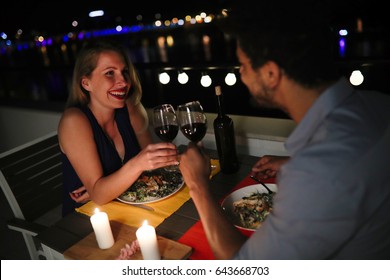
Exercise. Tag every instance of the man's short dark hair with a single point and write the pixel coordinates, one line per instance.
(297, 35)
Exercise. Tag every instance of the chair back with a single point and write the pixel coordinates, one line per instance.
(31, 179)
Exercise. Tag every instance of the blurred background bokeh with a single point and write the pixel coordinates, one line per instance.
(40, 40)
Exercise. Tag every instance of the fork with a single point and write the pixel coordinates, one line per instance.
(264, 185)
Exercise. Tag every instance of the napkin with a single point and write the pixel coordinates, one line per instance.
(215, 167)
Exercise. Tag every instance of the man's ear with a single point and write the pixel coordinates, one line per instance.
(272, 73)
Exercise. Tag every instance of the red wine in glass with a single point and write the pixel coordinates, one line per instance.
(165, 126)
(165, 122)
(167, 132)
(192, 121)
(194, 131)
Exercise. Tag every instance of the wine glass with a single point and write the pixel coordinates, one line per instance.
(192, 120)
(165, 122)
(165, 125)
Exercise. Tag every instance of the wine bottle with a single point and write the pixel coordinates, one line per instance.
(224, 137)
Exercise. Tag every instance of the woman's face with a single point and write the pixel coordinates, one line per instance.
(109, 83)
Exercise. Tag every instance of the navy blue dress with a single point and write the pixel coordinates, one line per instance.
(109, 157)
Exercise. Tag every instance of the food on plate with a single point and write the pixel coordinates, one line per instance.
(253, 209)
(153, 185)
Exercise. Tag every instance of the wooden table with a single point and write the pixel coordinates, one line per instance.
(86, 248)
(75, 226)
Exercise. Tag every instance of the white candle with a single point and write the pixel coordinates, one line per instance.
(102, 229)
(147, 240)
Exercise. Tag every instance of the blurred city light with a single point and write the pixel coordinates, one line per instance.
(97, 13)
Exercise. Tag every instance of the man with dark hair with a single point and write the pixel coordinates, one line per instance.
(333, 199)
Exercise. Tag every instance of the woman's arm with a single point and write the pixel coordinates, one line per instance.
(77, 142)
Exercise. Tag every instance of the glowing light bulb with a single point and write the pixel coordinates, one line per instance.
(205, 81)
(230, 79)
(164, 78)
(356, 78)
(182, 78)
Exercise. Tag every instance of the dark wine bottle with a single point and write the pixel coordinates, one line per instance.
(224, 137)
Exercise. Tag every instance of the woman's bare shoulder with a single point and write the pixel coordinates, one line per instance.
(73, 118)
(72, 114)
(74, 128)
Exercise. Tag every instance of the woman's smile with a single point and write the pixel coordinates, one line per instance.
(119, 94)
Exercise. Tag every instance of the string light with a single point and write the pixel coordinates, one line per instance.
(356, 78)
(164, 78)
(205, 81)
(182, 77)
(230, 79)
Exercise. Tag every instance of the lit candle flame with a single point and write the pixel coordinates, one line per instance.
(96, 210)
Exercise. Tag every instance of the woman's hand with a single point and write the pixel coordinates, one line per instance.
(268, 166)
(157, 155)
(80, 195)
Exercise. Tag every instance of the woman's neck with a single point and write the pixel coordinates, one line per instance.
(104, 116)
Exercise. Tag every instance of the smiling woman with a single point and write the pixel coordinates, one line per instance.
(105, 143)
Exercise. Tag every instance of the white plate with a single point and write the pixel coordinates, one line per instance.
(227, 203)
(172, 182)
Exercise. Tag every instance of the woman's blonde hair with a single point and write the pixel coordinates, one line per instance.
(86, 62)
